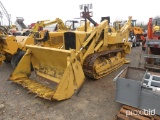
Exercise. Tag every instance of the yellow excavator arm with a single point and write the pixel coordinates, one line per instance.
(46, 23)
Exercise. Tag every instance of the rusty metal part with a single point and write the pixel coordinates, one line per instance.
(88, 65)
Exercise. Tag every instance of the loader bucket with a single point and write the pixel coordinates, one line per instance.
(58, 67)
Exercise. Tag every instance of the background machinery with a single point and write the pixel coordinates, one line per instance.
(135, 34)
(20, 24)
(153, 32)
(20, 28)
(117, 25)
(151, 45)
(11, 47)
(94, 53)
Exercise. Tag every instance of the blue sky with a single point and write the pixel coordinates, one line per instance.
(34, 10)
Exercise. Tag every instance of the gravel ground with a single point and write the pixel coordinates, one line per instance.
(96, 101)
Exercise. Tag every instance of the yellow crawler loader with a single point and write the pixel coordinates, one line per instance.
(62, 71)
(11, 45)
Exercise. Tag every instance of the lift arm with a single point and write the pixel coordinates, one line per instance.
(44, 23)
